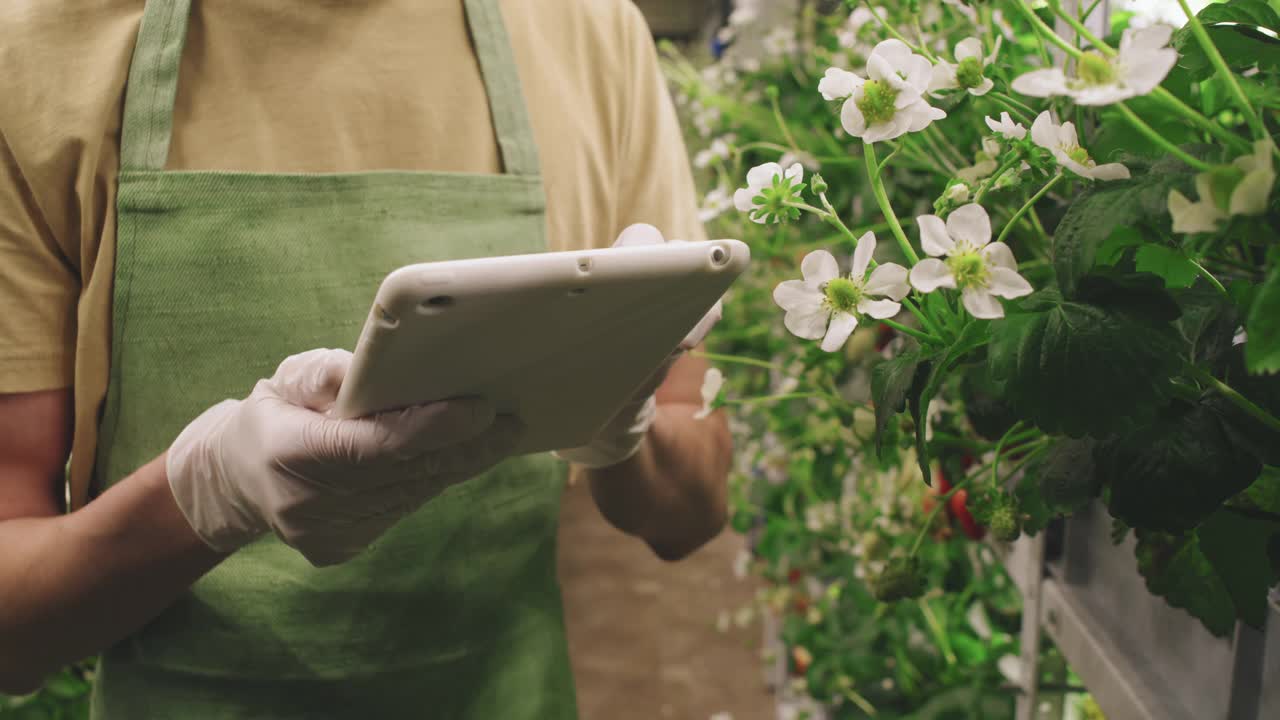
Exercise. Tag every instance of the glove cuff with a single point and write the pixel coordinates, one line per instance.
(208, 503)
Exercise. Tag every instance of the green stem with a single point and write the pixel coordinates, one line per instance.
(778, 398)
(943, 142)
(921, 336)
(1045, 30)
(1204, 273)
(782, 123)
(734, 359)
(991, 181)
(1027, 206)
(1234, 396)
(1018, 114)
(882, 198)
(893, 31)
(1081, 29)
(1220, 64)
(1141, 126)
(995, 462)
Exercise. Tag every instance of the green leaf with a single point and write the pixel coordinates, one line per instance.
(1174, 471)
(1172, 265)
(1106, 206)
(1264, 493)
(1250, 434)
(1208, 324)
(1262, 351)
(1256, 13)
(1241, 46)
(890, 382)
(1065, 476)
(1079, 367)
(1112, 249)
(1176, 569)
(1236, 546)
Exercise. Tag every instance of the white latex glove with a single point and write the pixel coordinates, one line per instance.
(275, 462)
(623, 435)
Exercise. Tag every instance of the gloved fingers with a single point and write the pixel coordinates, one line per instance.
(423, 429)
(704, 326)
(639, 234)
(479, 453)
(311, 379)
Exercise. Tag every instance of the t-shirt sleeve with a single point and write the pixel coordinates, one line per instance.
(39, 289)
(655, 183)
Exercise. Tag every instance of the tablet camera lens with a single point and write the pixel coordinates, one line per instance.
(719, 256)
(584, 265)
(435, 305)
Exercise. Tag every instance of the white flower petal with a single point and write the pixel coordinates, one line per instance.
(1189, 217)
(969, 224)
(879, 309)
(1142, 77)
(969, 47)
(983, 88)
(1145, 40)
(761, 176)
(917, 71)
(888, 280)
(851, 118)
(933, 236)
(943, 76)
(818, 267)
(894, 51)
(981, 304)
(810, 324)
(881, 68)
(930, 274)
(1044, 131)
(842, 326)
(997, 254)
(1251, 194)
(795, 173)
(744, 199)
(1042, 83)
(838, 84)
(1110, 171)
(795, 294)
(862, 256)
(1008, 283)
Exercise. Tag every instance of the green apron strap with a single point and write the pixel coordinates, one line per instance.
(153, 86)
(502, 82)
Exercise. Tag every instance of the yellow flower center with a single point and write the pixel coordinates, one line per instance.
(877, 102)
(969, 269)
(1080, 155)
(969, 73)
(1095, 70)
(843, 294)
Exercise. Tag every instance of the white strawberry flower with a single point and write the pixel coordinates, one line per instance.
(1142, 62)
(1007, 127)
(984, 162)
(968, 71)
(1241, 188)
(1061, 140)
(838, 84)
(848, 35)
(889, 102)
(963, 9)
(772, 185)
(980, 269)
(712, 383)
(827, 306)
(717, 151)
(717, 202)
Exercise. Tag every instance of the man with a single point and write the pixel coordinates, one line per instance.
(189, 192)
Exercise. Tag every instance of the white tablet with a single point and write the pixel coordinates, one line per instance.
(561, 340)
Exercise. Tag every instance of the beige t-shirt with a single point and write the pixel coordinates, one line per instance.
(302, 86)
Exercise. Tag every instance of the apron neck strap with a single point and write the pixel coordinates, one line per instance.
(147, 126)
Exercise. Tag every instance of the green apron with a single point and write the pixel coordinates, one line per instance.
(219, 276)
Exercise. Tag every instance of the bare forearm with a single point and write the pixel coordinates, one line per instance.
(72, 585)
(672, 493)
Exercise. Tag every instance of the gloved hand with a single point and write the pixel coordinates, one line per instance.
(275, 462)
(624, 434)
